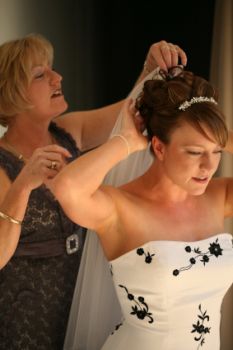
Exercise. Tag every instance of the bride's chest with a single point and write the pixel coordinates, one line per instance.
(187, 224)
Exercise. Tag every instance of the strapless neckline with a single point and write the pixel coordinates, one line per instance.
(171, 292)
(218, 235)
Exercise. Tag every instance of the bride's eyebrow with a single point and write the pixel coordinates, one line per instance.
(193, 145)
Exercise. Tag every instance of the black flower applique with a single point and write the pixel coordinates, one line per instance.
(111, 269)
(140, 308)
(200, 328)
(148, 256)
(213, 250)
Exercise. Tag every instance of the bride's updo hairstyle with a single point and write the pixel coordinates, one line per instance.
(181, 96)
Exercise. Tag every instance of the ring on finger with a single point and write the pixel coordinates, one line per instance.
(53, 165)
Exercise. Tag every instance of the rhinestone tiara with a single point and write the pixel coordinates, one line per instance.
(199, 99)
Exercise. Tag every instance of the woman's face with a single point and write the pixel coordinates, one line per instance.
(190, 159)
(45, 92)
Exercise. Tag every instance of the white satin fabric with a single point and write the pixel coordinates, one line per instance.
(169, 302)
(95, 309)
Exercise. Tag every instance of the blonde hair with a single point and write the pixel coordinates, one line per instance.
(17, 57)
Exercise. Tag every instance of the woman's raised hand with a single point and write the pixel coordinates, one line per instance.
(131, 127)
(164, 55)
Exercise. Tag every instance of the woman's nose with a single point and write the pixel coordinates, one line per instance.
(55, 77)
(208, 163)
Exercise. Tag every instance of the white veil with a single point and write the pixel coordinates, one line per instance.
(95, 309)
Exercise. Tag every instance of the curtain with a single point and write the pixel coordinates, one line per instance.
(221, 76)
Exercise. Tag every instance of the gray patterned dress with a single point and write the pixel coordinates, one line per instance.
(37, 284)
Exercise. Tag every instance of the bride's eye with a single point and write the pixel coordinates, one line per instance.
(194, 153)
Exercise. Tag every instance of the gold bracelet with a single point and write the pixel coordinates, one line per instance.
(9, 218)
(125, 141)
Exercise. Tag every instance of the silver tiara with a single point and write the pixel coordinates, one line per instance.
(187, 104)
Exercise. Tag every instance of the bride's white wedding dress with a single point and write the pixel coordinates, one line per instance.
(171, 294)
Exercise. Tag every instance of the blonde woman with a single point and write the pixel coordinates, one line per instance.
(40, 248)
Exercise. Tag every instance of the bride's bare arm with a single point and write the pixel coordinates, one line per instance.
(78, 186)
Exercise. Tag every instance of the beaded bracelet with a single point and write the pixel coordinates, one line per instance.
(125, 141)
(9, 218)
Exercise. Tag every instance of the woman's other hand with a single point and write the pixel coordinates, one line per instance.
(164, 55)
(44, 164)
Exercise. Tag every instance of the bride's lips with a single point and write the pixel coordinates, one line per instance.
(201, 180)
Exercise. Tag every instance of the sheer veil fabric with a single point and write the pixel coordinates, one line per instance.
(95, 310)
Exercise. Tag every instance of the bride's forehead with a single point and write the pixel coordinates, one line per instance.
(186, 132)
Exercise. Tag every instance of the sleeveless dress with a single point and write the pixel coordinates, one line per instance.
(171, 294)
(37, 284)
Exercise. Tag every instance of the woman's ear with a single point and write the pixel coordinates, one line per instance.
(158, 147)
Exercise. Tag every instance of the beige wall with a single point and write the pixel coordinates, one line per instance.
(222, 77)
(11, 24)
(57, 23)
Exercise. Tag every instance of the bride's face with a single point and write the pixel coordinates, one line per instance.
(190, 159)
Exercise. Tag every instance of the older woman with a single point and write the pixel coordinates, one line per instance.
(40, 248)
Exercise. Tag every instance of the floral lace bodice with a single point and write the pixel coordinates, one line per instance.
(44, 219)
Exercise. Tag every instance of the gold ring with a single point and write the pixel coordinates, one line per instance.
(53, 165)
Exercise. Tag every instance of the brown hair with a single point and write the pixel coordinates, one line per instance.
(159, 104)
(17, 57)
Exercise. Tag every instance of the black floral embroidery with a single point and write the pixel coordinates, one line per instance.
(213, 250)
(200, 328)
(140, 308)
(148, 256)
(117, 327)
